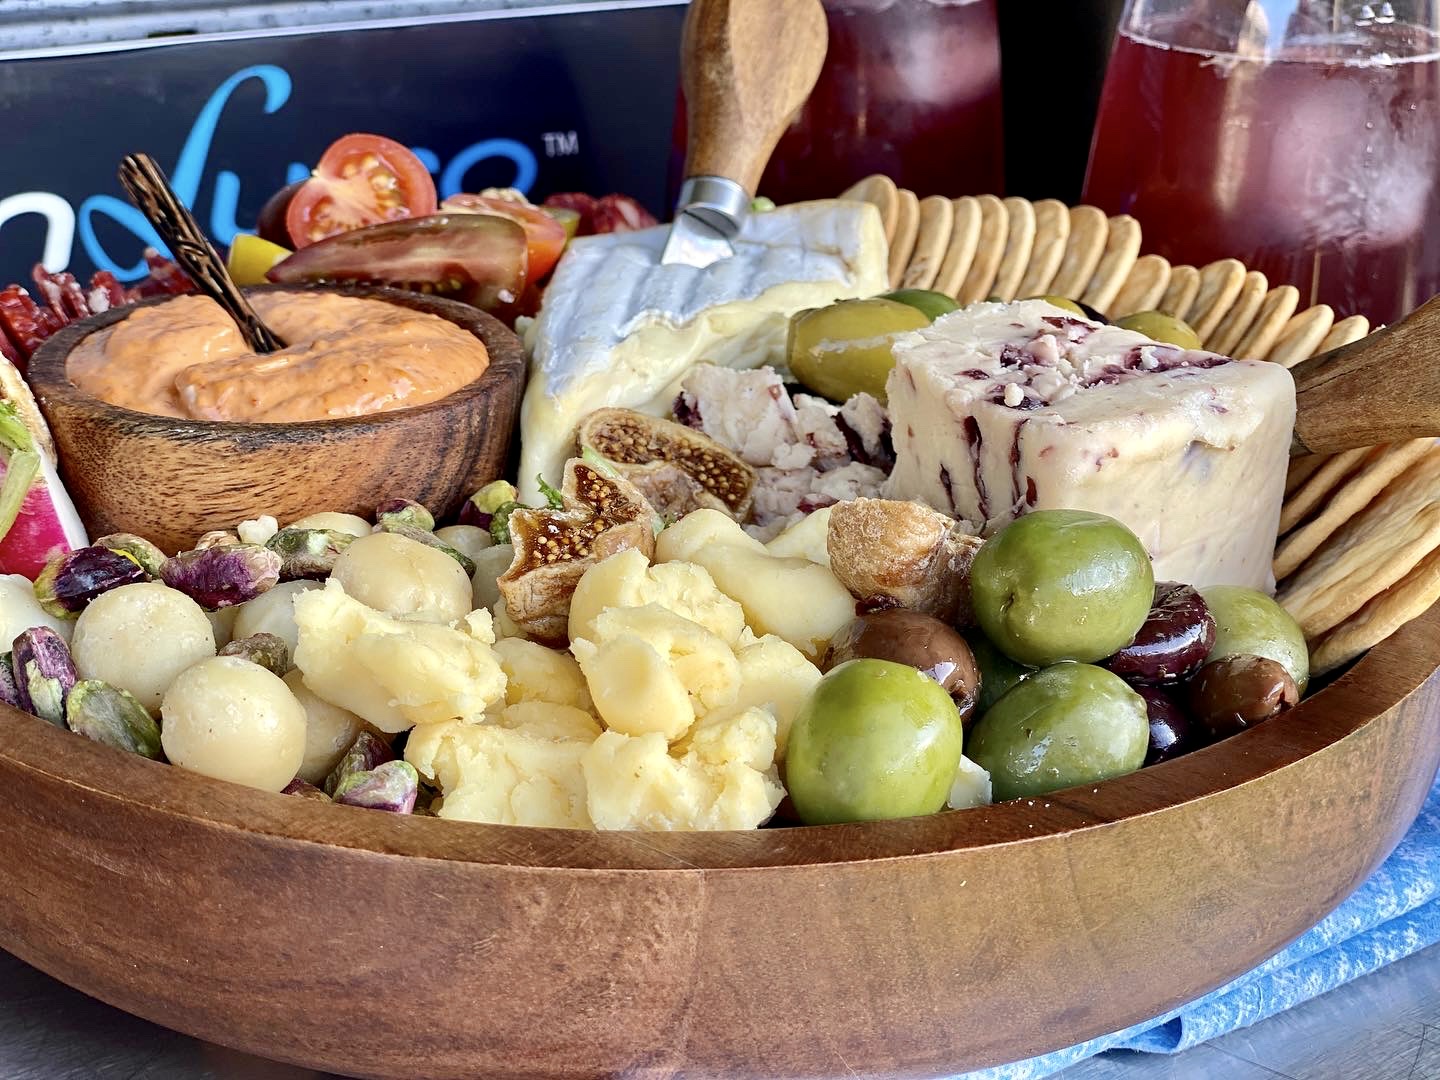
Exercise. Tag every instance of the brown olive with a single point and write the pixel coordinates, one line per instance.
(1227, 696)
(922, 641)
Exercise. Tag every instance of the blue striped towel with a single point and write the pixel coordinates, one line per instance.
(1394, 913)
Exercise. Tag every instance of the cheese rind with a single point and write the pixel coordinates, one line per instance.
(619, 329)
(1006, 408)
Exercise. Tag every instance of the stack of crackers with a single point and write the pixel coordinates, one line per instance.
(981, 247)
(1359, 551)
(1359, 548)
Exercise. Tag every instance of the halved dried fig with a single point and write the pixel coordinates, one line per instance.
(903, 554)
(602, 514)
(677, 468)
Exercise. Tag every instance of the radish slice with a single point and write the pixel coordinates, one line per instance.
(37, 518)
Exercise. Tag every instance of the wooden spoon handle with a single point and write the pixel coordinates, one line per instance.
(149, 189)
(1380, 389)
(748, 66)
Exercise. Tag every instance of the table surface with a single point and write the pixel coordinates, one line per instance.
(1385, 1026)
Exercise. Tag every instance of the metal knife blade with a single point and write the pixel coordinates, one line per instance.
(708, 217)
(695, 243)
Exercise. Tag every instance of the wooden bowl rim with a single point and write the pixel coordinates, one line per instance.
(1388, 674)
(51, 381)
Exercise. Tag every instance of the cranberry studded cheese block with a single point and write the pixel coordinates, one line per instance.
(619, 329)
(1001, 409)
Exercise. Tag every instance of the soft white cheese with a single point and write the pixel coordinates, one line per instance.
(619, 329)
(1005, 408)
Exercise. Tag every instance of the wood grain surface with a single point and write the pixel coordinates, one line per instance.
(748, 66)
(376, 946)
(172, 480)
(1392, 371)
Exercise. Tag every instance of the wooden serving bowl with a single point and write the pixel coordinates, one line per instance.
(172, 480)
(383, 946)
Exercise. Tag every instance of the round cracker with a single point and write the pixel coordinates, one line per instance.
(1318, 488)
(1407, 599)
(907, 229)
(14, 389)
(1181, 291)
(960, 253)
(1369, 553)
(1279, 304)
(994, 227)
(937, 218)
(1144, 286)
(1220, 284)
(880, 190)
(1345, 332)
(1302, 335)
(1352, 496)
(1019, 243)
(1122, 248)
(1226, 336)
(1052, 232)
(1083, 251)
(1301, 469)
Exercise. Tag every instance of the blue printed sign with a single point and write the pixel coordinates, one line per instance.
(575, 101)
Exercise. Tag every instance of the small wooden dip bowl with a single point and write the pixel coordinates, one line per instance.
(172, 480)
(379, 946)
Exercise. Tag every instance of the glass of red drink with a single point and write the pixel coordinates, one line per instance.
(910, 88)
(1300, 137)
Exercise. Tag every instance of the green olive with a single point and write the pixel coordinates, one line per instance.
(998, 673)
(875, 740)
(1249, 623)
(845, 349)
(1062, 585)
(1158, 326)
(933, 304)
(1062, 302)
(1068, 724)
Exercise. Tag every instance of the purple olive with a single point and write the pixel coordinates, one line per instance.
(1171, 732)
(1172, 643)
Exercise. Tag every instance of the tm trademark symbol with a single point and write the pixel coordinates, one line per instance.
(561, 144)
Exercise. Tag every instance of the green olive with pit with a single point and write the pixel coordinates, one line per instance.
(998, 673)
(1065, 725)
(1063, 302)
(1250, 623)
(846, 348)
(875, 740)
(1062, 585)
(1158, 326)
(927, 301)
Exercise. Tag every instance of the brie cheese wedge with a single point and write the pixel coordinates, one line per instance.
(1001, 409)
(619, 329)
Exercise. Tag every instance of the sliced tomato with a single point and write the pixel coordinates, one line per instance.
(361, 180)
(478, 259)
(545, 235)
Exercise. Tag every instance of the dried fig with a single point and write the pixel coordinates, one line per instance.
(677, 468)
(603, 513)
(903, 554)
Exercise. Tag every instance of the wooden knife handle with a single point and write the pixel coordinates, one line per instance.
(748, 66)
(1380, 389)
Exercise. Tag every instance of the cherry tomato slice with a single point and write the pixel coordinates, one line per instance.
(361, 180)
(544, 235)
(478, 259)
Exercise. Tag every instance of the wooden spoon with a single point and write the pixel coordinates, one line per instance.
(1380, 389)
(149, 189)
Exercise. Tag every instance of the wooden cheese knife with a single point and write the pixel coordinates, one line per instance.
(747, 68)
(1383, 388)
